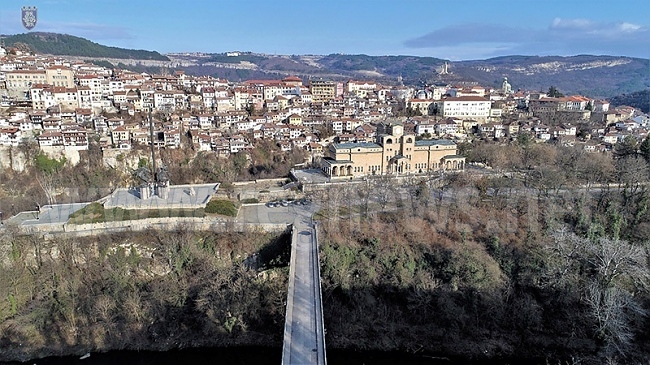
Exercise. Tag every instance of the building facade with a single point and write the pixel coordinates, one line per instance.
(393, 152)
(322, 91)
(467, 107)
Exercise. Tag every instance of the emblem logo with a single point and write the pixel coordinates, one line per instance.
(28, 15)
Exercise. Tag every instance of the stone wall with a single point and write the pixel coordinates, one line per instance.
(192, 223)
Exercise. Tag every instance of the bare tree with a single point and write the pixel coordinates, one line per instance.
(612, 270)
(594, 168)
(384, 187)
(612, 309)
(632, 171)
(614, 258)
(611, 260)
(49, 183)
(413, 186)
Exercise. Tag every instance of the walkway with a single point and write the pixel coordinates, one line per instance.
(304, 332)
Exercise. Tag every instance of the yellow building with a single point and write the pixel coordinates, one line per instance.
(294, 119)
(322, 91)
(393, 152)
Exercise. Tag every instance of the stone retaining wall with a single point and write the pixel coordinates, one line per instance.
(192, 223)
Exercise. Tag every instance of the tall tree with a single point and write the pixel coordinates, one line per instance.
(626, 147)
(644, 149)
(47, 175)
(554, 93)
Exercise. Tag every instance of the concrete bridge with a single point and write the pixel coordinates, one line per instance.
(304, 331)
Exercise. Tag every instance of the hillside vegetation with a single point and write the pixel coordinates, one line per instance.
(545, 280)
(68, 45)
(151, 290)
(638, 99)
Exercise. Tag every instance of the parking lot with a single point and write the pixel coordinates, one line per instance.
(267, 213)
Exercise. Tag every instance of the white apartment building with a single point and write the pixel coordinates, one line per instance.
(466, 107)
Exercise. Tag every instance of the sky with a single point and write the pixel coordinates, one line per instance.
(448, 29)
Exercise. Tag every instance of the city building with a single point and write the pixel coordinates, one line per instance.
(322, 91)
(393, 152)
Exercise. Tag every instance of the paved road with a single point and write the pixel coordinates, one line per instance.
(49, 214)
(304, 337)
(259, 213)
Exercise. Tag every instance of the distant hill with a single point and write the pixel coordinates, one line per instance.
(68, 45)
(639, 99)
(594, 76)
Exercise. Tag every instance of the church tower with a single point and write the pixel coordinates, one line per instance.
(507, 89)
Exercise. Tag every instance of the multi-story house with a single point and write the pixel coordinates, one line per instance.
(51, 123)
(423, 106)
(50, 138)
(237, 143)
(164, 100)
(75, 138)
(120, 135)
(172, 138)
(446, 126)
(10, 136)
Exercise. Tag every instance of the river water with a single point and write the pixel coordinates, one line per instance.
(249, 355)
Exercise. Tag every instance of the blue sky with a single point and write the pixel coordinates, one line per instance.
(449, 29)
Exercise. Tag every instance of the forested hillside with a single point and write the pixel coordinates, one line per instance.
(537, 267)
(638, 99)
(68, 45)
(150, 290)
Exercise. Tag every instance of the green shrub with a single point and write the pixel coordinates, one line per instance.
(223, 207)
(250, 201)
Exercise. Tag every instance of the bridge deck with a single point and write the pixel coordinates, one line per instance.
(304, 337)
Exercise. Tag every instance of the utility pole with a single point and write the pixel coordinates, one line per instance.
(153, 155)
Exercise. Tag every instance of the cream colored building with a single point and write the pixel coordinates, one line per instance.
(322, 90)
(393, 152)
(20, 81)
(59, 76)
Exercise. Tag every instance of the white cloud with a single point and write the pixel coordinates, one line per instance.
(629, 27)
(559, 23)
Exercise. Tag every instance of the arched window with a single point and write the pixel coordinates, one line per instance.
(389, 141)
(409, 140)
